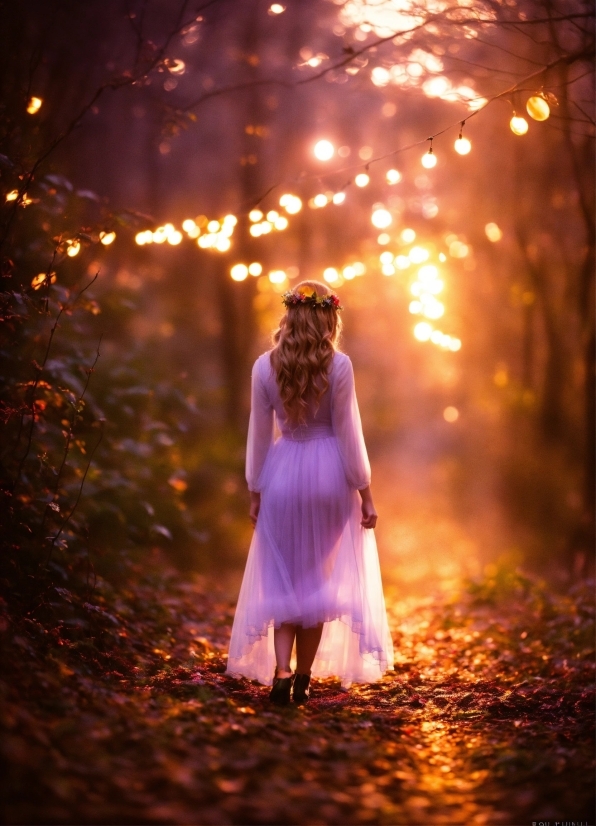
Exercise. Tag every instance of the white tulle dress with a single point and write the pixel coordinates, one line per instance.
(310, 560)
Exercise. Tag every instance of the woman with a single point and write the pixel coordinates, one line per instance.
(312, 574)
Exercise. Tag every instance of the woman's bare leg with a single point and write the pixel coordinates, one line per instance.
(307, 642)
(283, 641)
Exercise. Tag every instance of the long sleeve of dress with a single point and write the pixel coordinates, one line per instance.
(347, 425)
(260, 429)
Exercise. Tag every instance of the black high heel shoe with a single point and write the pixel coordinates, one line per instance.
(301, 689)
(280, 692)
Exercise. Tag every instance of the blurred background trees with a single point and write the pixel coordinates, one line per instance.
(173, 150)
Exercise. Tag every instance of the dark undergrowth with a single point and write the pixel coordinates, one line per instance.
(116, 709)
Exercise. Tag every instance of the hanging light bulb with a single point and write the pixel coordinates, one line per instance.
(538, 107)
(462, 145)
(518, 125)
(429, 159)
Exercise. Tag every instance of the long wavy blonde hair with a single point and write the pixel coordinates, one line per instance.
(304, 344)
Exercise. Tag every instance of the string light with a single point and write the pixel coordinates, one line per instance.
(393, 177)
(381, 218)
(429, 159)
(462, 145)
(362, 179)
(239, 272)
(324, 150)
(518, 125)
(34, 105)
(537, 107)
(108, 238)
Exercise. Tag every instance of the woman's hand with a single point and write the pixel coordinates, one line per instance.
(255, 506)
(369, 514)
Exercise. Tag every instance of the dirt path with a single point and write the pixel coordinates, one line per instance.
(117, 710)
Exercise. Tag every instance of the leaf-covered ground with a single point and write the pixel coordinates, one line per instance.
(116, 709)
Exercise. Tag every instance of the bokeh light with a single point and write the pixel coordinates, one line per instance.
(538, 108)
(362, 179)
(518, 125)
(462, 146)
(324, 150)
(493, 232)
(381, 218)
(34, 105)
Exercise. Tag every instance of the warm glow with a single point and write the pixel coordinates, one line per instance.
(423, 331)
(292, 205)
(320, 200)
(393, 176)
(383, 238)
(255, 230)
(518, 125)
(230, 220)
(34, 105)
(537, 107)
(239, 272)
(432, 308)
(408, 235)
(43, 279)
(493, 232)
(455, 344)
(188, 225)
(255, 268)
(213, 226)
(222, 244)
(339, 197)
(402, 262)
(457, 249)
(255, 215)
(281, 223)
(176, 66)
(418, 255)
(381, 218)
(388, 269)
(277, 276)
(266, 227)
(415, 307)
(107, 238)
(73, 249)
(386, 257)
(174, 238)
(324, 150)
(348, 273)
(272, 216)
(462, 146)
(451, 414)
(429, 160)
(12, 195)
(427, 273)
(359, 268)
(331, 275)
(362, 179)
(277, 8)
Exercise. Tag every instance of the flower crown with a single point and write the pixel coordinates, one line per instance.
(291, 299)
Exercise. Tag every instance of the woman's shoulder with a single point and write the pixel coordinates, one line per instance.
(341, 362)
(262, 364)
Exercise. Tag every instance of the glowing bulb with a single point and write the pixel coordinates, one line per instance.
(408, 235)
(457, 249)
(13, 195)
(415, 307)
(141, 238)
(272, 216)
(381, 218)
(34, 105)
(230, 220)
(339, 198)
(73, 249)
(518, 125)
(348, 273)
(402, 262)
(423, 331)
(393, 176)
(294, 205)
(213, 226)
(222, 244)
(388, 269)
(451, 414)
(436, 337)
(418, 255)
(107, 238)
(174, 238)
(359, 268)
(330, 275)
(429, 159)
(255, 215)
(188, 225)
(277, 8)
(255, 230)
(176, 66)
(277, 276)
(43, 279)
(383, 238)
(324, 150)
(320, 200)
(462, 146)
(255, 268)
(455, 344)
(493, 232)
(362, 179)
(537, 107)
(239, 272)
(281, 223)
(386, 257)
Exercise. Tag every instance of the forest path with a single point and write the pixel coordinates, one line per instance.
(118, 710)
